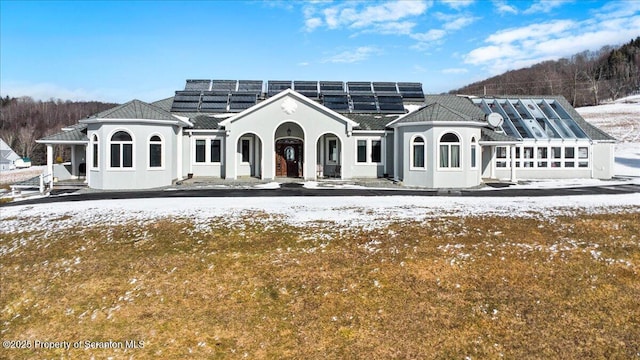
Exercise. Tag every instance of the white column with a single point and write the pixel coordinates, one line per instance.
(396, 136)
(179, 155)
(74, 171)
(50, 163)
(88, 154)
(513, 163)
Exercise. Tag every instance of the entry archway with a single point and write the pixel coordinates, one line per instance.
(289, 150)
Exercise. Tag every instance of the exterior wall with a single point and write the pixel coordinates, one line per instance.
(264, 123)
(368, 168)
(535, 165)
(389, 158)
(603, 160)
(140, 176)
(433, 175)
(208, 168)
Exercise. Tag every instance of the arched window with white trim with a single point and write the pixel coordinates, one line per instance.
(95, 145)
(121, 150)
(417, 152)
(449, 151)
(155, 152)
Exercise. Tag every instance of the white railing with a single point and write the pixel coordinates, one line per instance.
(46, 182)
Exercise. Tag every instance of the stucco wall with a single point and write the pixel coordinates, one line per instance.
(603, 160)
(139, 176)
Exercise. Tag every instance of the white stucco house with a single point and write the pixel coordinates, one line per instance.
(314, 129)
(7, 157)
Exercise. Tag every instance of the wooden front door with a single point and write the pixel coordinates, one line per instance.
(289, 157)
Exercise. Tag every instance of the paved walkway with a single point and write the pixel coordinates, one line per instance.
(204, 187)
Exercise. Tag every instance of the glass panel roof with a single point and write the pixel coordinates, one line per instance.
(530, 118)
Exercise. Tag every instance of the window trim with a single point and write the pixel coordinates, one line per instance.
(460, 145)
(208, 140)
(95, 152)
(133, 151)
(369, 150)
(473, 154)
(412, 153)
(162, 152)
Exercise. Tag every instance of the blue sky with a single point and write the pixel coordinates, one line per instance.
(121, 50)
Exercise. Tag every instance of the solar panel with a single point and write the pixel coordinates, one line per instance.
(184, 106)
(214, 101)
(411, 90)
(223, 85)
(250, 85)
(306, 88)
(277, 86)
(242, 101)
(364, 103)
(200, 85)
(337, 102)
(391, 104)
(193, 96)
(385, 87)
(359, 87)
(331, 87)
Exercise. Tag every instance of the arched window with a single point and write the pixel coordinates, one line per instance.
(155, 151)
(474, 150)
(417, 152)
(449, 151)
(96, 154)
(121, 150)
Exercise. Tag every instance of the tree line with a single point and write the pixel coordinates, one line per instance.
(583, 79)
(24, 120)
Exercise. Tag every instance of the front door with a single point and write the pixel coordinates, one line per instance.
(289, 157)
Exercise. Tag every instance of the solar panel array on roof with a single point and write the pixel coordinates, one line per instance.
(385, 88)
(186, 101)
(224, 85)
(276, 86)
(533, 118)
(331, 87)
(390, 103)
(242, 101)
(359, 87)
(410, 90)
(200, 85)
(337, 102)
(364, 103)
(214, 101)
(307, 88)
(254, 86)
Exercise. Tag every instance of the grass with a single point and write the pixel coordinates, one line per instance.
(472, 287)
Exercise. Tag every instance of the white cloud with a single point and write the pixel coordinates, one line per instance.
(545, 6)
(520, 47)
(455, 71)
(503, 8)
(353, 56)
(386, 18)
(458, 4)
(431, 35)
(459, 23)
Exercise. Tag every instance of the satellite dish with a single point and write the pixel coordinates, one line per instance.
(495, 120)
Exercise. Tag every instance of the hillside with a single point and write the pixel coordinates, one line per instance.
(586, 78)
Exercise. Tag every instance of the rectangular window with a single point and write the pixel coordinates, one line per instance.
(527, 153)
(115, 155)
(455, 156)
(333, 150)
(444, 155)
(583, 164)
(501, 152)
(376, 151)
(543, 155)
(155, 155)
(418, 155)
(95, 155)
(127, 155)
(246, 150)
(569, 153)
(556, 153)
(200, 150)
(215, 151)
(362, 151)
(583, 153)
(473, 156)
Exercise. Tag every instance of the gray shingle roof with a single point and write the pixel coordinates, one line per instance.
(460, 104)
(203, 121)
(78, 134)
(164, 104)
(372, 121)
(135, 109)
(435, 112)
(490, 135)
